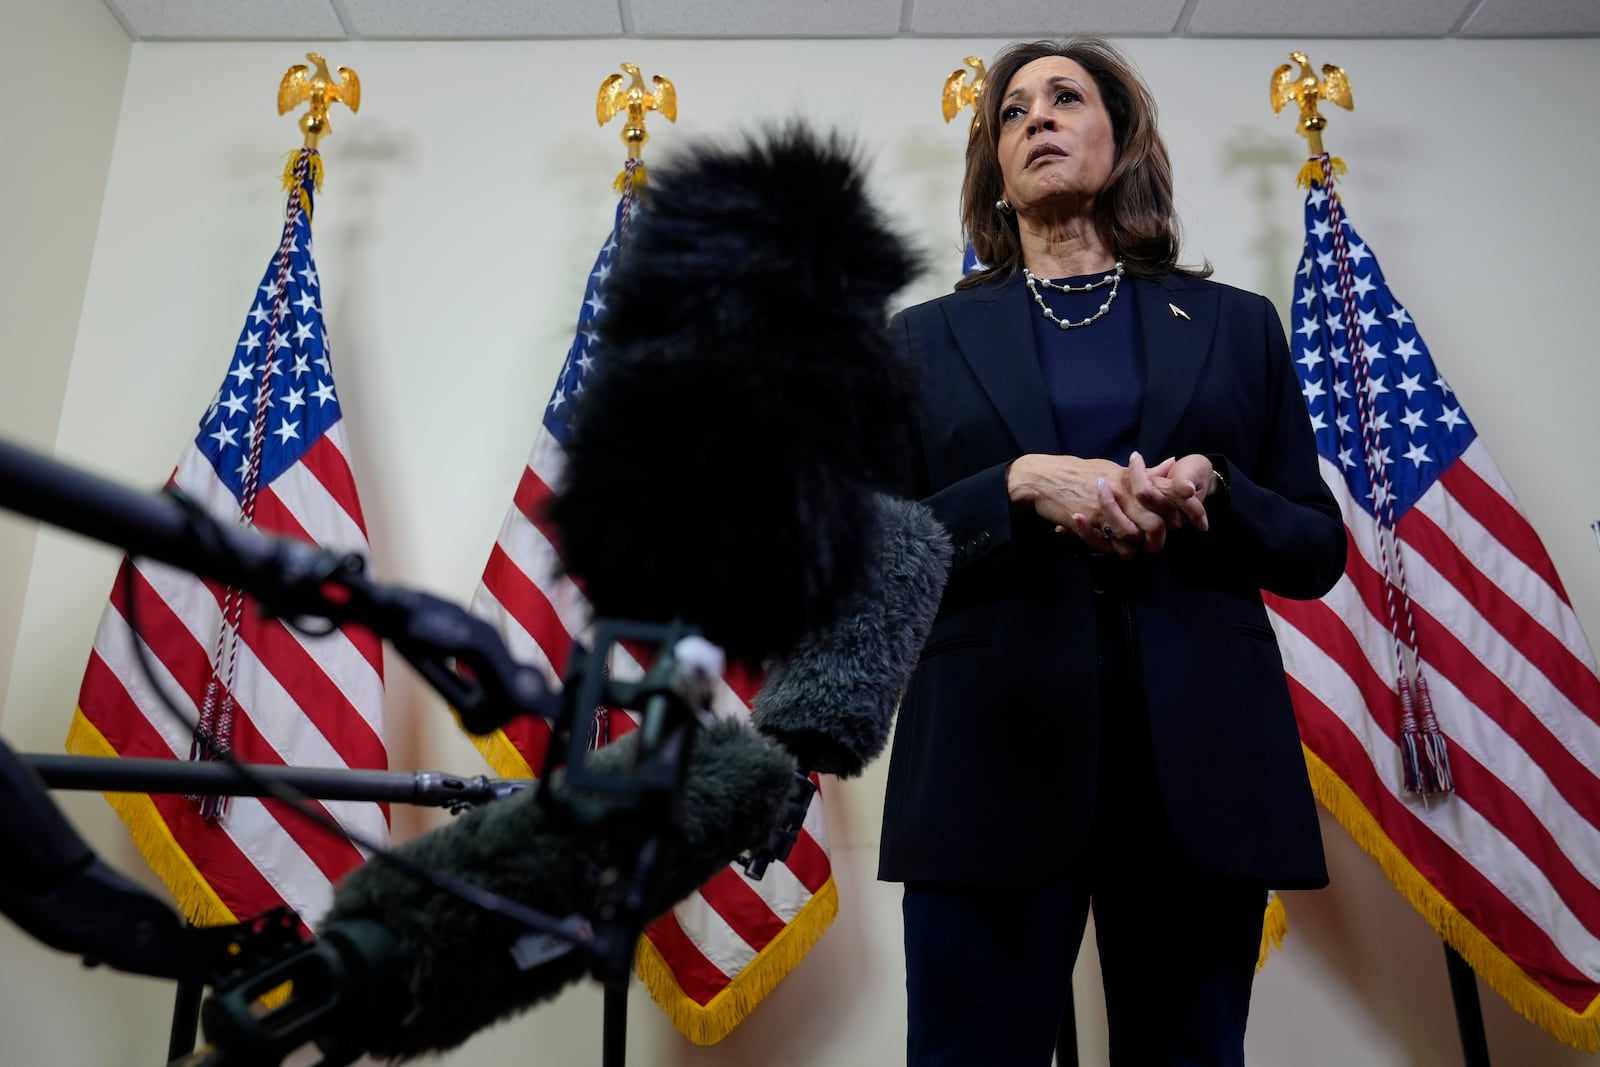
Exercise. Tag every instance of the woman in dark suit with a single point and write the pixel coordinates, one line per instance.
(1122, 456)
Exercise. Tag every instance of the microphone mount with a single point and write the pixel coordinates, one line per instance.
(644, 800)
(778, 846)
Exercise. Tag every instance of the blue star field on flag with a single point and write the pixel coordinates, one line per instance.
(969, 261)
(582, 355)
(1418, 428)
(283, 353)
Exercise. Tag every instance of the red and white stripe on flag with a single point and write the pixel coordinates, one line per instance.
(1508, 868)
(711, 959)
(269, 451)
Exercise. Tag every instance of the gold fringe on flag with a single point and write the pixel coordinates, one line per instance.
(1581, 1030)
(499, 753)
(709, 1023)
(194, 896)
(1274, 926)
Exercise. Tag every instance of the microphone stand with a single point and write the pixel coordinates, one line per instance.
(460, 655)
(673, 698)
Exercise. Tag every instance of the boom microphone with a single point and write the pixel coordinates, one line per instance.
(748, 403)
(424, 970)
(831, 701)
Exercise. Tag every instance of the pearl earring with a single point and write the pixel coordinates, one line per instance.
(1002, 206)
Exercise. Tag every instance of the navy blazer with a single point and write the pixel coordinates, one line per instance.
(992, 779)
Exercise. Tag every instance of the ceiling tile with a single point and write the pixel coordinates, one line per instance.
(1533, 18)
(298, 20)
(1319, 18)
(312, 20)
(1045, 18)
(444, 19)
(766, 18)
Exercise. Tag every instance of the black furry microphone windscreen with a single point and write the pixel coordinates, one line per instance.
(831, 701)
(457, 973)
(747, 404)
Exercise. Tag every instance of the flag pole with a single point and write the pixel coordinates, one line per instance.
(958, 94)
(300, 84)
(631, 100)
(1427, 766)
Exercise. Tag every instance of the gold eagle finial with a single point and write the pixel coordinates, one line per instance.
(299, 86)
(1306, 91)
(632, 98)
(958, 92)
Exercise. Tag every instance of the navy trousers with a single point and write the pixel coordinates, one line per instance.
(988, 969)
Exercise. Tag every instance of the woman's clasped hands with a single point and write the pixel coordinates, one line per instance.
(1123, 510)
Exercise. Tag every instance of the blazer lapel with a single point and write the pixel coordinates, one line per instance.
(1176, 326)
(994, 330)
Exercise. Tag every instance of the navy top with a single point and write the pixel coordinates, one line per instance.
(1094, 374)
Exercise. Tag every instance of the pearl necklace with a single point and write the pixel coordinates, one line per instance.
(1114, 279)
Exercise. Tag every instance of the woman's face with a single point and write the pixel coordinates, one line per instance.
(1056, 144)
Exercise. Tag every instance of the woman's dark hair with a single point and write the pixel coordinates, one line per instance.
(1133, 214)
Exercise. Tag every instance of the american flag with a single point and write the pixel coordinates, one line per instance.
(270, 453)
(711, 959)
(1449, 591)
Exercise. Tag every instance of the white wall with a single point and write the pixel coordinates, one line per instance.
(73, 56)
(463, 207)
